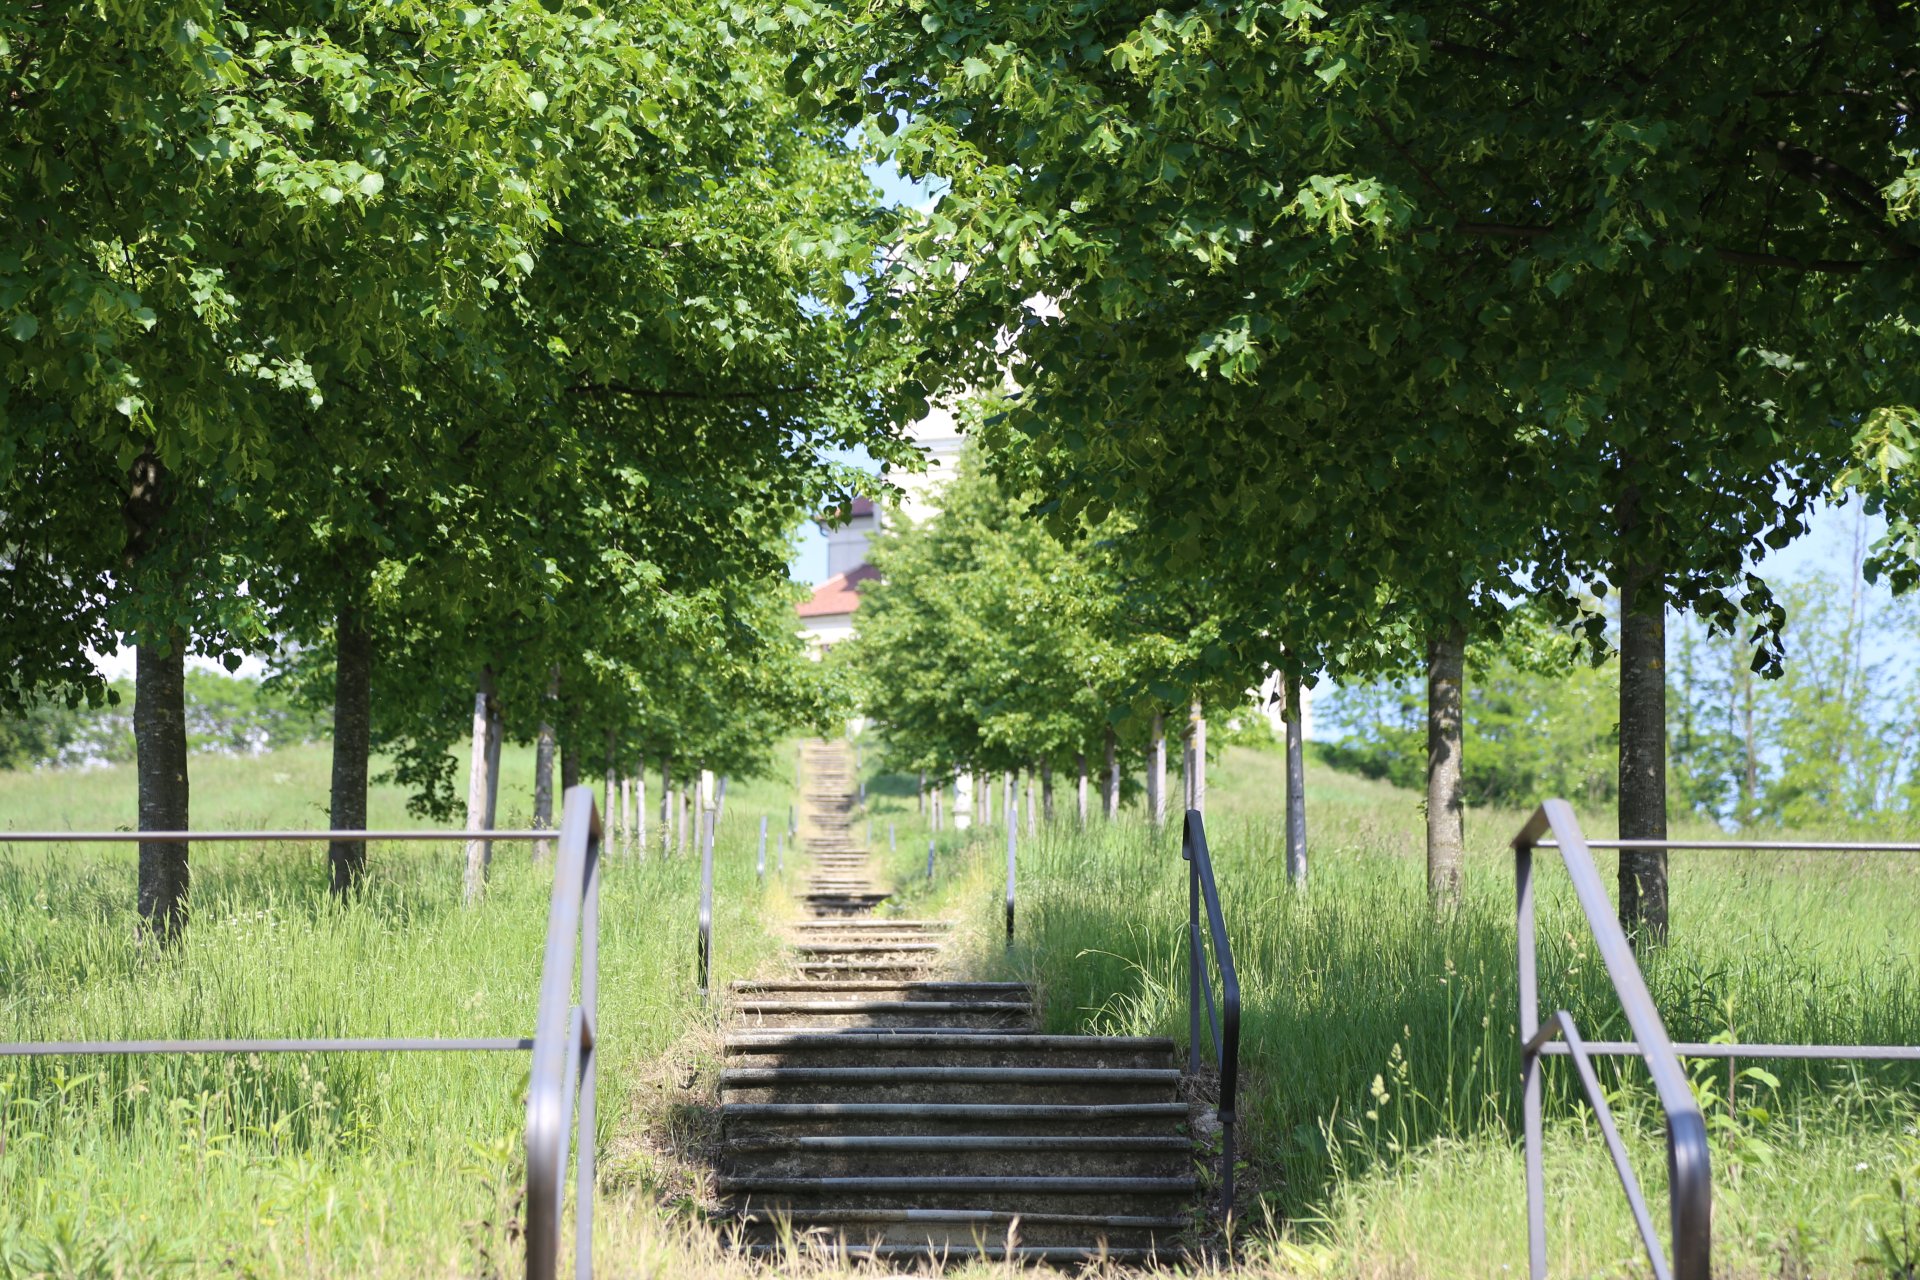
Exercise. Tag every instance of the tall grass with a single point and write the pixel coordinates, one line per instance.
(311, 1163)
(1379, 1044)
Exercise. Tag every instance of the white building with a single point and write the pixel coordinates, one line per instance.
(826, 618)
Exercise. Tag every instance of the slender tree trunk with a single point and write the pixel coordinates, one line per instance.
(611, 815)
(352, 738)
(1643, 734)
(1033, 824)
(640, 806)
(626, 813)
(1080, 792)
(160, 745)
(479, 788)
(666, 805)
(1157, 771)
(569, 751)
(543, 762)
(1046, 791)
(920, 796)
(1446, 828)
(159, 718)
(680, 819)
(1296, 788)
(1197, 759)
(720, 801)
(1111, 788)
(496, 734)
(933, 801)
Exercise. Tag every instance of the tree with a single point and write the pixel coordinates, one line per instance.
(1616, 284)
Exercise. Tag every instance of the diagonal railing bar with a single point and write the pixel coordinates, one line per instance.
(561, 1084)
(1223, 1024)
(1562, 1025)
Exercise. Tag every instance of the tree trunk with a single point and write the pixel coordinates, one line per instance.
(920, 796)
(543, 763)
(626, 813)
(933, 803)
(496, 733)
(160, 747)
(640, 806)
(159, 719)
(352, 736)
(1046, 791)
(1157, 771)
(1111, 788)
(680, 820)
(1197, 759)
(569, 755)
(1296, 789)
(1446, 829)
(720, 801)
(479, 852)
(611, 814)
(1080, 793)
(1643, 735)
(666, 805)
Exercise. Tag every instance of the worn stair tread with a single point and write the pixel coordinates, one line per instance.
(969, 1217)
(1079, 1184)
(843, 1007)
(770, 985)
(906, 1038)
(988, 1253)
(982, 1112)
(957, 1075)
(965, 1142)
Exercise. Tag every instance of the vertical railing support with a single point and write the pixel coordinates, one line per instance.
(1013, 829)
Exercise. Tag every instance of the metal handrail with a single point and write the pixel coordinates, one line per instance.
(564, 1057)
(1688, 1170)
(1689, 1175)
(1223, 1022)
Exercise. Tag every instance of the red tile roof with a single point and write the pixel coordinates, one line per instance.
(838, 594)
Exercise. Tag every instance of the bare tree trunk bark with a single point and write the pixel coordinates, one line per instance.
(1046, 791)
(496, 733)
(160, 748)
(543, 762)
(479, 788)
(626, 813)
(612, 815)
(1111, 788)
(1643, 732)
(1296, 789)
(1446, 827)
(1157, 771)
(1080, 792)
(159, 719)
(352, 739)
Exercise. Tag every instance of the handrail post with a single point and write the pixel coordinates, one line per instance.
(1530, 1083)
(1012, 838)
(1195, 973)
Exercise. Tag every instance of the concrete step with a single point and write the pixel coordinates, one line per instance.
(882, 1013)
(955, 1229)
(960, 1155)
(901, 1048)
(854, 989)
(743, 1120)
(1145, 1197)
(947, 1084)
(880, 948)
(895, 969)
(881, 924)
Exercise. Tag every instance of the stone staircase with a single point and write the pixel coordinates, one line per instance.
(873, 1106)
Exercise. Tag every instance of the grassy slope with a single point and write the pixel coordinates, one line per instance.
(310, 1164)
(1379, 1097)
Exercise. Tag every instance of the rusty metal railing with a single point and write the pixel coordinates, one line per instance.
(1689, 1172)
(561, 1089)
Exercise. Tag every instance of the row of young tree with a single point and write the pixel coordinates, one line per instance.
(1370, 319)
(490, 351)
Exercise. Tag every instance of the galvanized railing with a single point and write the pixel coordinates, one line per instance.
(1689, 1173)
(561, 1084)
(1223, 1020)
